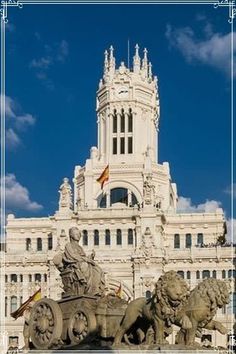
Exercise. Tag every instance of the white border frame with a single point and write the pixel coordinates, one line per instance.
(5, 4)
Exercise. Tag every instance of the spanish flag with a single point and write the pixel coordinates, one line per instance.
(104, 176)
(119, 291)
(19, 312)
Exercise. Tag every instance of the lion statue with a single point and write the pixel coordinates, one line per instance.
(201, 307)
(160, 311)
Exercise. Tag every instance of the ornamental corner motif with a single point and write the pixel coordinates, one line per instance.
(231, 7)
(4, 8)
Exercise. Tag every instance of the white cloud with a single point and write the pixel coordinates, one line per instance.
(12, 139)
(16, 121)
(41, 63)
(17, 196)
(231, 230)
(185, 206)
(56, 53)
(213, 50)
(231, 190)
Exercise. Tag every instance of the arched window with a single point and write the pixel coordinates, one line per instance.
(13, 303)
(197, 274)
(37, 277)
(14, 278)
(130, 237)
(122, 121)
(119, 195)
(39, 244)
(181, 273)
(214, 274)
(50, 242)
(200, 239)
(6, 305)
(188, 274)
(107, 237)
(118, 237)
(223, 274)
(188, 241)
(30, 278)
(148, 294)
(85, 237)
(21, 278)
(205, 274)
(130, 121)
(6, 278)
(231, 273)
(96, 238)
(28, 244)
(45, 278)
(114, 122)
(176, 241)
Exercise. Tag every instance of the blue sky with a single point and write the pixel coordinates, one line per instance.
(54, 57)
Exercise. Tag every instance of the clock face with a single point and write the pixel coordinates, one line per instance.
(122, 92)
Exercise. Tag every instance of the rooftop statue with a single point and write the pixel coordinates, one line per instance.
(80, 274)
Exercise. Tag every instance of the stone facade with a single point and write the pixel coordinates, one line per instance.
(131, 224)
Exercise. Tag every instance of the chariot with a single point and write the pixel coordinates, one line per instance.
(74, 320)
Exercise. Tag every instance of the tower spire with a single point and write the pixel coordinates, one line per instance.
(106, 65)
(136, 60)
(112, 61)
(145, 63)
(150, 70)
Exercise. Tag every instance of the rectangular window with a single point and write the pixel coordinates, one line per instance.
(107, 237)
(130, 123)
(188, 241)
(118, 237)
(85, 237)
(115, 124)
(50, 244)
(122, 145)
(130, 145)
(122, 123)
(114, 146)
(199, 239)
(96, 238)
(5, 306)
(130, 237)
(176, 241)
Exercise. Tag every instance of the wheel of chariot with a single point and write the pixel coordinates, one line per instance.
(82, 323)
(45, 324)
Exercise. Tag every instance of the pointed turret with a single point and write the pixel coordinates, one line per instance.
(136, 60)
(106, 64)
(112, 61)
(145, 63)
(150, 71)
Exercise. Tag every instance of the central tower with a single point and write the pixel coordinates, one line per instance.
(128, 110)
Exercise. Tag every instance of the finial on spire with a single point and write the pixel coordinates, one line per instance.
(106, 62)
(150, 70)
(145, 51)
(145, 63)
(136, 61)
(111, 52)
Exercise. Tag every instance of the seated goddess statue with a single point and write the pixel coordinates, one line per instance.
(88, 277)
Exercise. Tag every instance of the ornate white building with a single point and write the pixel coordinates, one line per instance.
(132, 224)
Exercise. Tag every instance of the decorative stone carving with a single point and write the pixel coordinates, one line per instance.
(80, 274)
(147, 244)
(65, 201)
(148, 190)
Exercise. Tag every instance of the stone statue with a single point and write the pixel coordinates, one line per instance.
(65, 191)
(201, 307)
(148, 190)
(160, 311)
(80, 274)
